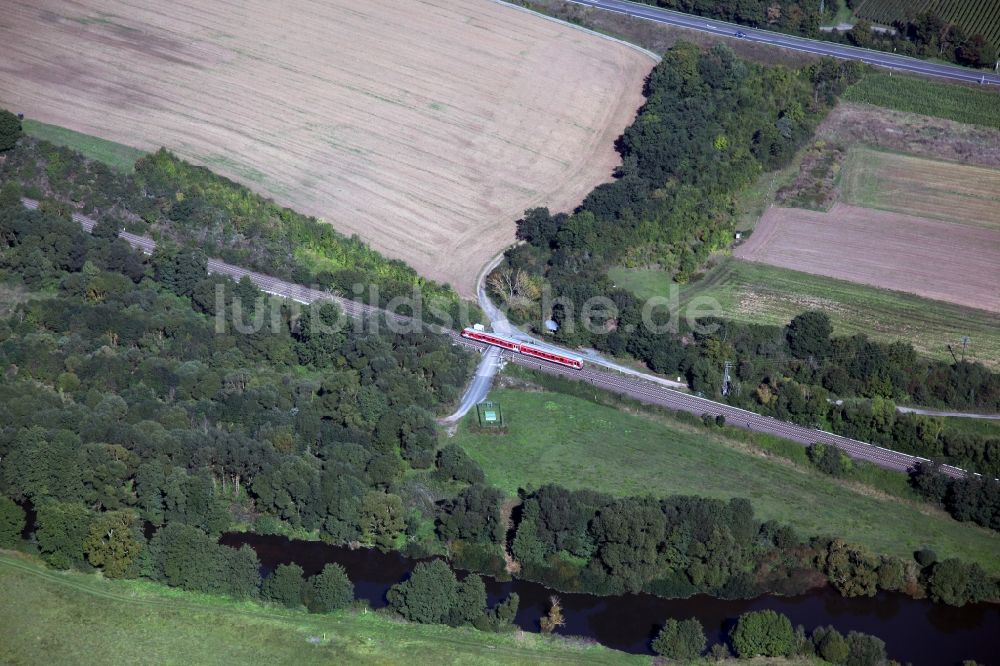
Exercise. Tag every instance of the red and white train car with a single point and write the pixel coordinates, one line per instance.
(542, 352)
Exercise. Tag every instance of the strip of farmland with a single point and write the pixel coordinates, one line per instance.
(956, 263)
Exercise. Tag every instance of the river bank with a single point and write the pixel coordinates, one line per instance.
(915, 631)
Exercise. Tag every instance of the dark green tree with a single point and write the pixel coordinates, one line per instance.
(469, 603)
(681, 640)
(831, 645)
(113, 542)
(763, 633)
(179, 269)
(11, 522)
(957, 583)
(382, 519)
(329, 590)
(809, 334)
(829, 459)
(865, 650)
(427, 595)
(454, 464)
(285, 585)
(10, 130)
(60, 530)
(241, 569)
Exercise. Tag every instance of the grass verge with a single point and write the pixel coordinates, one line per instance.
(930, 98)
(71, 618)
(115, 155)
(578, 443)
(763, 294)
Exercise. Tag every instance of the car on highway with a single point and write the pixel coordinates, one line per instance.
(741, 34)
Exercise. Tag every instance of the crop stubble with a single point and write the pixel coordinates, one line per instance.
(956, 263)
(424, 126)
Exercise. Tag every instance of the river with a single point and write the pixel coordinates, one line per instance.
(915, 631)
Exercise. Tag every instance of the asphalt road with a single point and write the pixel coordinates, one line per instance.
(480, 385)
(635, 386)
(803, 44)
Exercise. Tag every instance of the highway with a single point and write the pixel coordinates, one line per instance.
(877, 58)
(636, 385)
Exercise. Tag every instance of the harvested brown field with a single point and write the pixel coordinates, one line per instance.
(917, 186)
(956, 263)
(424, 126)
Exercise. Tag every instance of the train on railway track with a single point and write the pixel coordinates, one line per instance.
(534, 350)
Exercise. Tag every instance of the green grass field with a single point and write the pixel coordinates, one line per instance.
(56, 618)
(117, 156)
(930, 98)
(987, 427)
(553, 437)
(946, 191)
(770, 295)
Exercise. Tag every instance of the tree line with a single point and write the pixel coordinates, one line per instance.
(170, 199)
(767, 633)
(925, 34)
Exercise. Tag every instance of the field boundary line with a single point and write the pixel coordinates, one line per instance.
(652, 54)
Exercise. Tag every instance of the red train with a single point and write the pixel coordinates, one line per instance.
(542, 352)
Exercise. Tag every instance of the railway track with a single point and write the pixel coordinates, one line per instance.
(640, 389)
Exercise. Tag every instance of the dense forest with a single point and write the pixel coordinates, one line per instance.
(711, 125)
(923, 35)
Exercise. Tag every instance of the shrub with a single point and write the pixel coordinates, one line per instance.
(328, 590)
(684, 640)
(285, 585)
(765, 633)
(426, 596)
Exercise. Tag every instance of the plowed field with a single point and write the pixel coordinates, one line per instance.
(424, 126)
(957, 263)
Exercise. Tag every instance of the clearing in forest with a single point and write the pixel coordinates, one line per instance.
(424, 126)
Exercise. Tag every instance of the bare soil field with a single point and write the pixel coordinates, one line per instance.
(956, 263)
(424, 126)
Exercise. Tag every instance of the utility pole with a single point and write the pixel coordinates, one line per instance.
(726, 382)
(953, 355)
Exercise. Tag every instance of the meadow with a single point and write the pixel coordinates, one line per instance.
(424, 126)
(762, 294)
(912, 185)
(78, 619)
(578, 443)
(117, 156)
